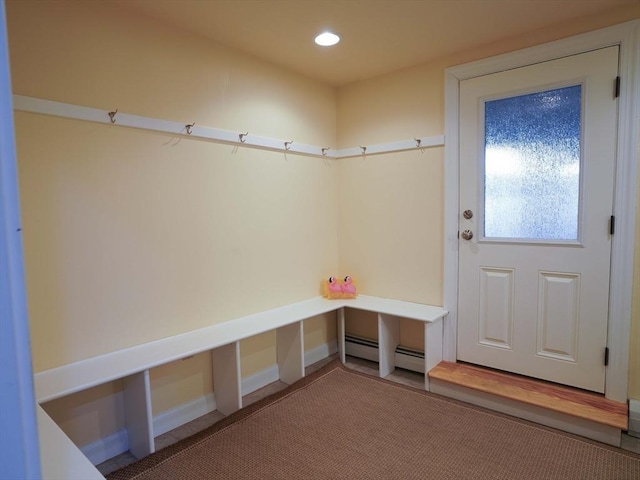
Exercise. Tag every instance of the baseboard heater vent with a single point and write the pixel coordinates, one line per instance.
(365, 348)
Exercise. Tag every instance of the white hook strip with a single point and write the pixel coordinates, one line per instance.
(425, 142)
(58, 109)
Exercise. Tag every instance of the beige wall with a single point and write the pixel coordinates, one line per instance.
(128, 239)
(391, 209)
(394, 201)
(181, 381)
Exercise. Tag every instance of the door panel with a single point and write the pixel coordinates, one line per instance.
(558, 318)
(536, 175)
(496, 307)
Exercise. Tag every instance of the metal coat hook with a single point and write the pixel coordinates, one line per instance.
(324, 150)
(287, 145)
(189, 127)
(418, 142)
(364, 149)
(112, 116)
(242, 137)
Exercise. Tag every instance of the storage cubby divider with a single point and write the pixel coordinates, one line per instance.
(290, 352)
(227, 378)
(137, 413)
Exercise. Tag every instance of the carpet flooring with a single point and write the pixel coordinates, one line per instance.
(338, 423)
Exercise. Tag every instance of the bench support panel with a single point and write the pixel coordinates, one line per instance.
(138, 414)
(432, 347)
(290, 352)
(388, 341)
(341, 335)
(226, 378)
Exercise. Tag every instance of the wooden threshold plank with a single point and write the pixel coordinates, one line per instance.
(567, 400)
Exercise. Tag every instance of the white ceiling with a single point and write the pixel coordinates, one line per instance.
(378, 36)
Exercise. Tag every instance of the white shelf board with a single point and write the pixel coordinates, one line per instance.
(71, 378)
(74, 377)
(399, 308)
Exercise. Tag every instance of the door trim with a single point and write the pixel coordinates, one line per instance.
(20, 452)
(627, 36)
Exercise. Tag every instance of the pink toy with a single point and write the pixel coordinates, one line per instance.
(334, 288)
(348, 288)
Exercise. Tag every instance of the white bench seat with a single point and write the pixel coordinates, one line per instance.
(74, 377)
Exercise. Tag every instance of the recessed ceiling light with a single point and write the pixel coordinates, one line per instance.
(326, 39)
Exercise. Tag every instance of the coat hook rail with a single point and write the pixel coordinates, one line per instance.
(405, 145)
(67, 110)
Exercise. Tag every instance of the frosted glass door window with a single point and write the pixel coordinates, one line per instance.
(532, 165)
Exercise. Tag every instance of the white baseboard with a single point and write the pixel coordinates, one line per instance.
(167, 421)
(258, 380)
(320, 353)
(107, 447)
(271, 374)
(634, 417)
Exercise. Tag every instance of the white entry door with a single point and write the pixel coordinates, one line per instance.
(537, 159)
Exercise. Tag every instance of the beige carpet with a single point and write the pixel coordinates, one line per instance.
(341, 424)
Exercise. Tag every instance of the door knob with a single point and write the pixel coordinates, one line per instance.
(467, 235)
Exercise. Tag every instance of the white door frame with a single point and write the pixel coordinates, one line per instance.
(19, 453)
(627, 36)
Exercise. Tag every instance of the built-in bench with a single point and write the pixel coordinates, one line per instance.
(132, 364)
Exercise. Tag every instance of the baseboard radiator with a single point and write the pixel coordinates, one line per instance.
(407, 358)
